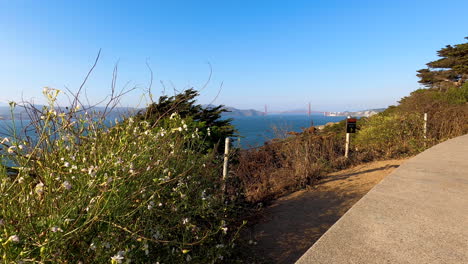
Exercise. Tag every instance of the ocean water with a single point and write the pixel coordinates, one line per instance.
(253, 130)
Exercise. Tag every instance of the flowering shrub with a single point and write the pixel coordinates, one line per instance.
(134, 192)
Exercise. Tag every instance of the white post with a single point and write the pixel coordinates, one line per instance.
(347, 142)
(425, 126)
(226, 158)
(347, 146)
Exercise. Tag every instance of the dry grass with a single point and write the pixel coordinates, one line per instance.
(283, 166)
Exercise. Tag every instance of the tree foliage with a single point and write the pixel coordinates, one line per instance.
(448, 71)
(210, 122)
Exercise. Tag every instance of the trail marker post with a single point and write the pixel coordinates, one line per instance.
(350, 128)
(425, 126)
(425, 129)
(226, 159)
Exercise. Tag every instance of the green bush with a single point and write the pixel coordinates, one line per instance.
(130, 193)
(391, 135)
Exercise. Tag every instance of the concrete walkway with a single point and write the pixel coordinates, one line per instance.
(417, 214)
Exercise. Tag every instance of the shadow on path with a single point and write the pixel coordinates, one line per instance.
(292, 224)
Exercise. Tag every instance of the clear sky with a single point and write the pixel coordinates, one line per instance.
(338, 55)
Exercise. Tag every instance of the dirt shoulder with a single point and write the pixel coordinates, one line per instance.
(288, 227)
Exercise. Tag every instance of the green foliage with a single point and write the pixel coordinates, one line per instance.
(449, 71)
(391, 135)
(213, 127)
(136, 192)
(429, 101)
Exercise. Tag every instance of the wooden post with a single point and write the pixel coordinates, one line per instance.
(347, 143)
(425, 126)
(226, 158)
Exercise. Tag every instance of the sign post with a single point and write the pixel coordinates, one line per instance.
(350, 128)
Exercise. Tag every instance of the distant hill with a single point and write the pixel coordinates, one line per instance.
(363, 113)
(238, 112)
(242, 112)
(5, 113)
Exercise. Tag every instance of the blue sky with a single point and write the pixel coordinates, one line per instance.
(338, 55)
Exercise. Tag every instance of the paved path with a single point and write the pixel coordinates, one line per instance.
(417, 214)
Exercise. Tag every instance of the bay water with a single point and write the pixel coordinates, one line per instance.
(253, 131)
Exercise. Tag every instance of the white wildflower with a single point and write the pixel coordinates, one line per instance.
(20, 180)
(92, 246)
(150, 205)
(185, 221)
(224, 229)
(14, 239)
(56, 229)
(20, 146)
(66, 164)
(11, 149)
(39, 189)
(67, 185)
(118, 257)
(91, 170)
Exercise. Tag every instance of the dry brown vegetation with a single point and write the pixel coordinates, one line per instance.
(280, 167)
(283, 166)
